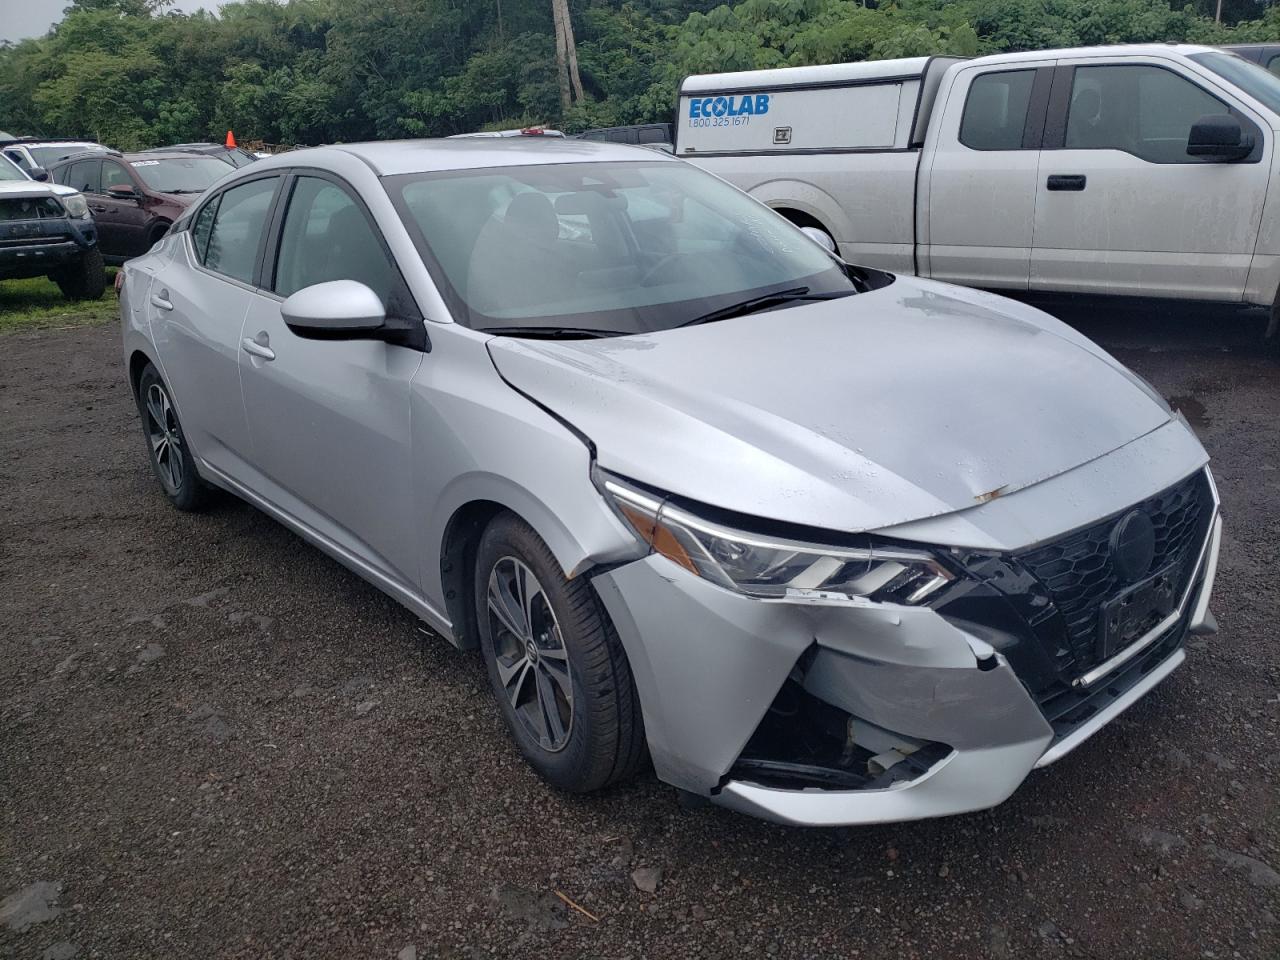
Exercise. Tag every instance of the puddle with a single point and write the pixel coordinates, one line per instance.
(1195, 412)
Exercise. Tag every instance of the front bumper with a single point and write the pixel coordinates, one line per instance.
(709, 665)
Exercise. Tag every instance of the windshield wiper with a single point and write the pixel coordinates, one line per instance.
(764, 302)
(552, 333)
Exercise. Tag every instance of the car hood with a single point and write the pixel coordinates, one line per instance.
(33, 188)
(911, 401)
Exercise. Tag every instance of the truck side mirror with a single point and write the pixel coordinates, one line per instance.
(1219, 137)
(39, 173)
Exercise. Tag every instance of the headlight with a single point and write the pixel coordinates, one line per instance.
(76, 205)
(775, 568)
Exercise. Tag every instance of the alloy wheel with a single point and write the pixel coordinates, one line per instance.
(166, 441)
(528, 647)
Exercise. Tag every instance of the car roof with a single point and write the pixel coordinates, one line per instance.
(392, 157)
(1110, 50)
(84, 155)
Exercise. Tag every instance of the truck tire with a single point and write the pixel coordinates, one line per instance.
(85, 280)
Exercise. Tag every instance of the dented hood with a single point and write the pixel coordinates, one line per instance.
(908, 402)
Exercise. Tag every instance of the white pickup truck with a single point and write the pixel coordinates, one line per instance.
(1131, 170)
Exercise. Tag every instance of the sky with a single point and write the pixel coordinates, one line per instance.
(20, 19)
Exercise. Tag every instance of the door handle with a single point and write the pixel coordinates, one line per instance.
(260, 350)
(1066, 181)
(161, 300)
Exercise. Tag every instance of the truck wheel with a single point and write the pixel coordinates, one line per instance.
(85, 280)
(158, 233)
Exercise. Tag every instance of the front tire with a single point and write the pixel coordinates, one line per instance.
(555, 663)
(167, 448)
(83, 280)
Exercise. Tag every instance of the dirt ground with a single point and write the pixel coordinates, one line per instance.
(216, 742)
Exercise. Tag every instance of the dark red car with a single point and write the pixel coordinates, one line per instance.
(134, 197)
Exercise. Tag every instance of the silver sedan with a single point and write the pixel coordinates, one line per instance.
(826, 544)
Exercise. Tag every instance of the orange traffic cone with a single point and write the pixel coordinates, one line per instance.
(231, 139)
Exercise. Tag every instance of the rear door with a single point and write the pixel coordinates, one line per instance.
(330, 419)
(197, 305)
(1121, 207)
(978, 194)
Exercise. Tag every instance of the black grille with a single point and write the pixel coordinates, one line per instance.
(1078, 574)
(30, 208)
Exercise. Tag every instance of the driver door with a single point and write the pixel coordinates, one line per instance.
(1121, 208)
(329, 419)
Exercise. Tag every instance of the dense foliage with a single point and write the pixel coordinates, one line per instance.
(131, 73)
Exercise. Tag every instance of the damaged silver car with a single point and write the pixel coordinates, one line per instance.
(831, 546)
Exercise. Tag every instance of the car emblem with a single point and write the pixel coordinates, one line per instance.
(1133, 546)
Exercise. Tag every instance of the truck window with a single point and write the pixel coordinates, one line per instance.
(995, 112)
(1145, 111)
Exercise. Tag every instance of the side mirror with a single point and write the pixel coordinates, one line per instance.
(337, 310)
(39, 173)
(123, 191)
(820, 237)
(1219, 137)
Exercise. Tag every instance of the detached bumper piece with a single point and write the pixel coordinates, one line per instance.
(804, 742)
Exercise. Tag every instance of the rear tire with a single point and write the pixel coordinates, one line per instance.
(83, 280)
(555, 663)
(167, 447)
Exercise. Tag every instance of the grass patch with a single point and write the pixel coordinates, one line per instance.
(39, 305)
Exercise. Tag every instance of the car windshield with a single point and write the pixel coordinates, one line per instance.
(1260, 84)
(181, 175)
(9, 170)
(614, 248)
(48, 156)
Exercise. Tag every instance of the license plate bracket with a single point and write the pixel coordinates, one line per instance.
(1128, 615)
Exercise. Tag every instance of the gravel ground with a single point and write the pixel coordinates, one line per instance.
(216, 742)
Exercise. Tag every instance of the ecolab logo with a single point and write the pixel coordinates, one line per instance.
(740, 106)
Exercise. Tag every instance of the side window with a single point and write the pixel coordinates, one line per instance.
(112, 175)
(1273, 64)
(203, 227)
(235, 233)
(85, 176)
(995, 112)
(1145, 111)
(17, 157)
(328, 237)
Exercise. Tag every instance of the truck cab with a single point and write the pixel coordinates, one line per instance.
(1128, 170)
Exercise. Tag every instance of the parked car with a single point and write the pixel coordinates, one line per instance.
(33, 153)
(836, 546)
(135, 197)
(1041, 171)
(46, 231)
(236, 156)
(1265, 55)
(641, 134)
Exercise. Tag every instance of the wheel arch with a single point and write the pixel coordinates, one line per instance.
(138, 359)
(806, 206)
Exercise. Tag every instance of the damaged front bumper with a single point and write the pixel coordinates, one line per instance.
(858, 713)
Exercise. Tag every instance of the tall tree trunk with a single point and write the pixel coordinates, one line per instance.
(572, 48)
(562, 66)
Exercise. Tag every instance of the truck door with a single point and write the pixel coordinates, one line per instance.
(978, 189)
(1121, 207)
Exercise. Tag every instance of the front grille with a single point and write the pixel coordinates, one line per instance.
(30, 208)
(1079, 576)
(42, 241)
